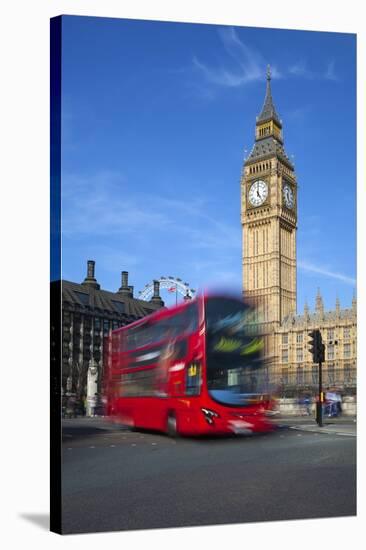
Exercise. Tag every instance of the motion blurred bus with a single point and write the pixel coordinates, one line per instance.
(196, 368)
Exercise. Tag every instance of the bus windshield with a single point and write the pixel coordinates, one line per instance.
(233, 352)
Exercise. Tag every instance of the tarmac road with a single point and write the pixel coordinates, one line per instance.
(114, 479)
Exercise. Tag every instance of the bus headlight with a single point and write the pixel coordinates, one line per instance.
(209, 415)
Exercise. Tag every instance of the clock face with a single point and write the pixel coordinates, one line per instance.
(288, 196)
(258, 193)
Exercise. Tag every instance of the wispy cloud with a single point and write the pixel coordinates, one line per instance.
(95, 206)
(106, 205)
(119, 225)
(221, 75)
(300, 69)
(223, 271)
(326, 272)
(244, 65)
(330, 73)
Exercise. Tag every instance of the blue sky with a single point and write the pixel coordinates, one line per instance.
(156, 118)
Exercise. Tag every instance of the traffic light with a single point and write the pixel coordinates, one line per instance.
(317, 348)
(313, 344)
(321, 356)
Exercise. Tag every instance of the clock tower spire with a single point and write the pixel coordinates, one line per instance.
(268, 111)
(269, 220)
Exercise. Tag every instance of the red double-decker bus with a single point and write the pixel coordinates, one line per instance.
(193, 369)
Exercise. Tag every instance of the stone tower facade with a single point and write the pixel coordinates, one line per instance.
(269, 225)
(269, 221)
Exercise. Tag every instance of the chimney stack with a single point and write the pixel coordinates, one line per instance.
(124, 288)
(124, 279)
(90, 279)
(91, 269)
(156, 299)
(156, 289)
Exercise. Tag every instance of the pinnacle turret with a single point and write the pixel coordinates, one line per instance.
(354, 302)
(338, 306)
(319, 305)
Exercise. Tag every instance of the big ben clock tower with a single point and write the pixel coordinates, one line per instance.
(269, 219)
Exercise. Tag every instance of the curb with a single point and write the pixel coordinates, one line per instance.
(321, 431)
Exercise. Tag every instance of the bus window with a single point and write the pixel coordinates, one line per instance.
(167, 328)
(140, 336)
(193, 378)
(191, 318)
(180, 324)
(180, 350)
(140, 383)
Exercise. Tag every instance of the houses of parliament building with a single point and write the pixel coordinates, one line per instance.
(269, 225)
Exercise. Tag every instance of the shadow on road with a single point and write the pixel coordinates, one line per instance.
(82, 429)
(79, 431)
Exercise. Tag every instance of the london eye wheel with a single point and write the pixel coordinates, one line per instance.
(171, 284)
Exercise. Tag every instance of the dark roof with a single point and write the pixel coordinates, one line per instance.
(86, 298)
(268, 110)
(268, 147)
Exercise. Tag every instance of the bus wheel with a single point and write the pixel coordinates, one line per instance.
(171, 425)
